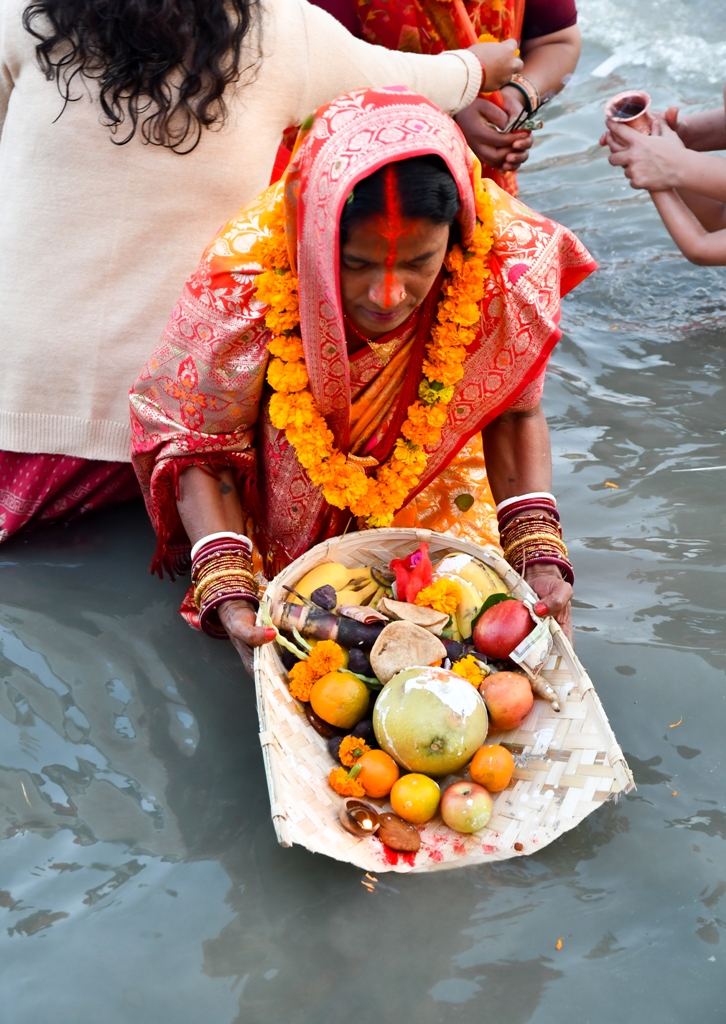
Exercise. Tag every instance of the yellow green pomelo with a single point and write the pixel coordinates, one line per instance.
(430, 720)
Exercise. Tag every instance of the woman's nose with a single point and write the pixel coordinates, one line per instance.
(387, 292)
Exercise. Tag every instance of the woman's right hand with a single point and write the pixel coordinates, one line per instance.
(499, 61)
(238, 618)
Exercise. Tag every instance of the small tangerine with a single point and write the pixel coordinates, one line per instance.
(378, 773)
(340, 699)
(492, 767)
(415, 798)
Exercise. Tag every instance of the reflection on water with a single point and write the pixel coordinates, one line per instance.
(139, 875)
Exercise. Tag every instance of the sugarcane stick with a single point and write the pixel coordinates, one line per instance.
(322, 625)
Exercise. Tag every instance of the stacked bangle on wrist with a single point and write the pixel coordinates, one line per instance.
(530, 533)
(221, 571)
(528, 91)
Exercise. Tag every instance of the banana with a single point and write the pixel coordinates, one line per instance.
(473, 571)
(468, 608)
(329, 573)
(469, 605)
(360, 595)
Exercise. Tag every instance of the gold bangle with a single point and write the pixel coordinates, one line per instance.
(231, 579)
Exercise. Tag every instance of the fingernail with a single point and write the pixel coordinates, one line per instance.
(270, 633)
(540, 608)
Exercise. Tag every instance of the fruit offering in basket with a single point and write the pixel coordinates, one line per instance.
(403, 668)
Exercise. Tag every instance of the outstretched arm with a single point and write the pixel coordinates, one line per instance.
(660, 161)
(707, 249)
(518, 458)
(700, 132)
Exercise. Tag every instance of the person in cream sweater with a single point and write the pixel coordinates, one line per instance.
(113, 180)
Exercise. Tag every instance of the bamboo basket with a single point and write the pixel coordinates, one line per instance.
(567, 763)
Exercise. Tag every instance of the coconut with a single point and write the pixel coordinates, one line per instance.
(430, 720)
(401, 645)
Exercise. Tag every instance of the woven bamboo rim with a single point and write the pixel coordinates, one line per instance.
(567, 763)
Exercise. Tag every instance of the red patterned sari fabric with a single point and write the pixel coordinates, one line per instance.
(202, 399)
(35, 489)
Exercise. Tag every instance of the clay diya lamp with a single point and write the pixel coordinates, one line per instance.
(631, 108)
(359, 818)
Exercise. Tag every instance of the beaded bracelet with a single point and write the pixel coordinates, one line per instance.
(222, 571)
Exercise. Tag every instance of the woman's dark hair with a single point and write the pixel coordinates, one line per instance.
(426, 188)
(162, 66)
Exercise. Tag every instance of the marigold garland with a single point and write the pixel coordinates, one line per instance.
(293, 408)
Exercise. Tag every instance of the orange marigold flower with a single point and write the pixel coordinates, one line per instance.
(287, 377)
(409, 454)
(445, 374)
(343, 785)
(288, 348)
(442, 596)
(271, 251)
(300, 680)
(326, 656)
(286, 320)
(424, 423)
(470, 669)
(351, 749)
(293, 411)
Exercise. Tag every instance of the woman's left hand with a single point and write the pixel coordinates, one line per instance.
(555, 595)
(505, 150)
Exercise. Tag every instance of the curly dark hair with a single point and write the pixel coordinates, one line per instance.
(162, 66)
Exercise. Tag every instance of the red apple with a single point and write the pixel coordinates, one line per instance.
(466, 806)
(509, 699)
(502, 628)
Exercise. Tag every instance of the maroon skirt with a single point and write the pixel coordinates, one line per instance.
(36, 489)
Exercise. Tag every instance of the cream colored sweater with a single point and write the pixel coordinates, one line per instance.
(97, 240)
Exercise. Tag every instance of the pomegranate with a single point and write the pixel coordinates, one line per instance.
(502, 628)
(509, 699)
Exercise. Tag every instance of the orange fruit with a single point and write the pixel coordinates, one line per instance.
(415, 798)
(378, 772)
(340, 699)
(492, 767)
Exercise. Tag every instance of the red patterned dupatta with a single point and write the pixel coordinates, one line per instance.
(202, 399)
(432, 26)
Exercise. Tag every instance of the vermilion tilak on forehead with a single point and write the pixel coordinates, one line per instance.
(392, 230)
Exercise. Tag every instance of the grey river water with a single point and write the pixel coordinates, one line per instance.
(140, 881)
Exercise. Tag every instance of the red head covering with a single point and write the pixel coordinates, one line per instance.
(348, 140)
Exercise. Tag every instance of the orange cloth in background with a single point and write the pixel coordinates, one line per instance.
(458, 501)
(431, 26)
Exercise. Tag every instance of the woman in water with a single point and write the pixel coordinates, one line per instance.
(352, 345)
(130, 130)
